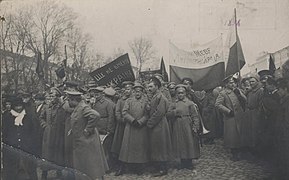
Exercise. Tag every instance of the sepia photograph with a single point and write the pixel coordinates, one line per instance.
(144, 89)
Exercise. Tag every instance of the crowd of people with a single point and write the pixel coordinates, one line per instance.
(83, 132)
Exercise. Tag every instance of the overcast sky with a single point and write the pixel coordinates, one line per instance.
(264, 24)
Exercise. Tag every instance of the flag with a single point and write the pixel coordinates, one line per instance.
(115, 72)
(40, 66)
(204, 64)
(235, 52)
(272, 66)
(163, 70)
(203, 78)
(60, 72)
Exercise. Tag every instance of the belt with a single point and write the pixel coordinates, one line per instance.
(183, 116)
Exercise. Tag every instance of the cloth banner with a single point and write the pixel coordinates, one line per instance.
(114, 72)
(204, 78)
(203, 56)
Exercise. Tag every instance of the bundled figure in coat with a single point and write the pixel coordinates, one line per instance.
(52, 120)
(134, 149)
(19, 133)
(229, 102)
(185, 129)
(89, 160)
(159, 133)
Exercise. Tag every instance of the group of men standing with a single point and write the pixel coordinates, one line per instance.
(83, 132)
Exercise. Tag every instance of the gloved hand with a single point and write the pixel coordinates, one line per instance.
(135, 123)
(231, 113)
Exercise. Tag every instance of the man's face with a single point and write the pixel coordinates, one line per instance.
(53, 97)
(8, 106)
(253, 82)
(152, 88)
(18, 108)
(181, 93)
(231, 84)
(172, 90)
(72, 102)
(127, 90)
(138, 92)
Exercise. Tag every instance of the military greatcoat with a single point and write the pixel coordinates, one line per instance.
(88, 153)
(159, 132)
(135, 144)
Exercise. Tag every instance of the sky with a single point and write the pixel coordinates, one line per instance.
(264, 24)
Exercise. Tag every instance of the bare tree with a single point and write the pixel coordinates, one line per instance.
(142, 49)
(48, 22)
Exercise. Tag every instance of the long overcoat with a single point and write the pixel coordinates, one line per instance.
(225, 102)
(135, 144)
(88, 153)
(159, 133)
(185, 141)
(254, 99)
(120, 126)
(106, 122)
(52, 120)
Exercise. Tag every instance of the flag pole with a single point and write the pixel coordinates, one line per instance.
(239, 71)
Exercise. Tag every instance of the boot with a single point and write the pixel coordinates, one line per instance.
(120, 171)
(162, 170)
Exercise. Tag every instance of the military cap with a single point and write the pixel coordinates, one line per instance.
(109, 91)
(228, 78)
(96, 89)
(138, 85)
(39, 96)
(264, 74)
(159, 75)
(253, 75)
(181, 86)
(188, 79)
(171, 85)
(125, 83)
(73, 92)
(156, 81)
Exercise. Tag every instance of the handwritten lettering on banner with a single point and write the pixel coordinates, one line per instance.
(202, 56)
(114, 72)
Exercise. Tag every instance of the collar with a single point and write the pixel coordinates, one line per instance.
(183, 100)
(100, 99)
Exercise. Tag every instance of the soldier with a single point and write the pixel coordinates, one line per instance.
(163, 89)
(228, 102)
(185, 129)
(106, 124)
(254, 98)
(159, 133)
(134, 149)
(19, 142)
(52, 120)
(88, 154)
(120, 123)
(282, 124)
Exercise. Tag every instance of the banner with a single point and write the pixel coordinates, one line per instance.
(114, 72)
(203, 56)
(203, 78)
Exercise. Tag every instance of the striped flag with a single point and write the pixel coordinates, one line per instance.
(236, 59)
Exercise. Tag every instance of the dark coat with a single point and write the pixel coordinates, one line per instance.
(120, 126)
(105, 108)
(20, 146)
(52, 120)
(21, 137)
(225, 102)
(209, 115)
(184, 139)
(159, 133)
(88, 153)
(135, 144)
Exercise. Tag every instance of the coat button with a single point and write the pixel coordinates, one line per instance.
(19, 140)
